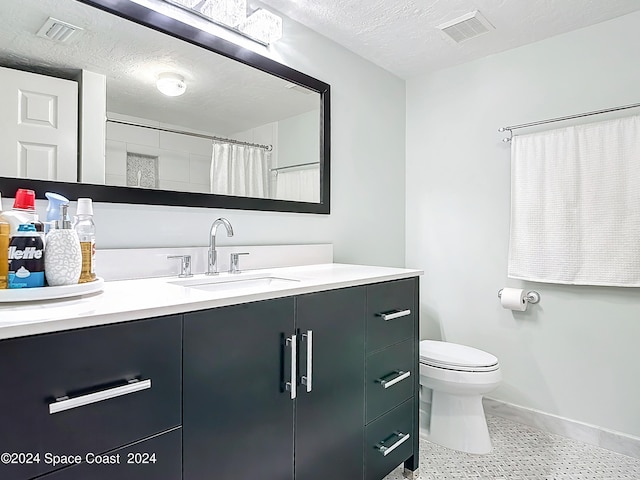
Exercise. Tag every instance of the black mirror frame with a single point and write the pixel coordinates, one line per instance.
(113, 194)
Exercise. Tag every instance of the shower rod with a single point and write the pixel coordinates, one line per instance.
(268, 148)
(297, 165)
(560, 119)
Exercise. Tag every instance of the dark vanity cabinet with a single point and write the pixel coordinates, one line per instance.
(88, 392)
(274, 389)
(309, 387)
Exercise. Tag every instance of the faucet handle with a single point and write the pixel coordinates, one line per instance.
(185, 265)
(234, 262)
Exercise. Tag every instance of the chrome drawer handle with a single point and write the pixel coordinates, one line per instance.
(291, 386)
(393, 315)
(65, 403)
(308, 378)
(401, 376)
(384, 450)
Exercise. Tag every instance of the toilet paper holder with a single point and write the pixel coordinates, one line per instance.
(532, 296)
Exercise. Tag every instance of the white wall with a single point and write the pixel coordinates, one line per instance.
(93, 106)
(576, 353)
(366, 224)
(298, 139)
(183, 161)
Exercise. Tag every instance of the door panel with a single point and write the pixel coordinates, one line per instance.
(238, 417)
(330, 418)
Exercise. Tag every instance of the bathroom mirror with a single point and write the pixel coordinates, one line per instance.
(248, 132)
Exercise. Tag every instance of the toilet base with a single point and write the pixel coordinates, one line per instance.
(457, 422)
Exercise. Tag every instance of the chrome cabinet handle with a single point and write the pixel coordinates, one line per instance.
(393, 315)
(65, 403)
(291, 386)
(308, 378)
(384, 450)
(389, 383)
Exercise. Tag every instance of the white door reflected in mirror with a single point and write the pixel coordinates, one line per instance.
(40, 115)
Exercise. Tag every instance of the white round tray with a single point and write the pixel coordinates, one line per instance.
(50, 293)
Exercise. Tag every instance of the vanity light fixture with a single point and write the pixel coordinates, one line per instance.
(261, 26)
(171, 84)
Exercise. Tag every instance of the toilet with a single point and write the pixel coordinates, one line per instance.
(453, 380)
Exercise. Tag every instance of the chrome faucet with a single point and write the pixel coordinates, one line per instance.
(212, 264)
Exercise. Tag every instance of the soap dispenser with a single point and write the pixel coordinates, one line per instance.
(63, 261)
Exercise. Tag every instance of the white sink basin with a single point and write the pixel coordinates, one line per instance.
(235, 282)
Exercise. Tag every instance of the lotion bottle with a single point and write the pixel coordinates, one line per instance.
(86, 230)
(63, 261)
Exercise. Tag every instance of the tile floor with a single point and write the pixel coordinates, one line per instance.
(521, 452)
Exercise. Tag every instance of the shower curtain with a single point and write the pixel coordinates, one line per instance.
(301, 185)
(240, 170)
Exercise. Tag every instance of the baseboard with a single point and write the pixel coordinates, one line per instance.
(583, 432)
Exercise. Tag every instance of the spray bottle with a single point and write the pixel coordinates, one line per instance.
(53, 210)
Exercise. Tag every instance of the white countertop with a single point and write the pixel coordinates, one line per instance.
(152, 297)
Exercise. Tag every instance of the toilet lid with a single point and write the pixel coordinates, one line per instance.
(455, 357)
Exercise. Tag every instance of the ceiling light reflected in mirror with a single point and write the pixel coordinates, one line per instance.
(171, 84)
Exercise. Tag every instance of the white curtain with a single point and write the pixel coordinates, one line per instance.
(240, 170)
(302, 185)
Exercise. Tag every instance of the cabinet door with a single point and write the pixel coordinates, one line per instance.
(238, 416)
(330, 417)
(158, 458)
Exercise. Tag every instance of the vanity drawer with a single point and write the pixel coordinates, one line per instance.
(390, 377)
(92, 367)
(390, 313)
(389, 441)
(157, 458)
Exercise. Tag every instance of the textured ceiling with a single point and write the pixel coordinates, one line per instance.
(401, 35)
(223, 96)
(226, 97)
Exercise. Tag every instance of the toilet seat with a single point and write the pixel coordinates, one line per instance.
(453, 356)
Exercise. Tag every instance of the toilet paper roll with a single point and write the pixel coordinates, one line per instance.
(513, 299)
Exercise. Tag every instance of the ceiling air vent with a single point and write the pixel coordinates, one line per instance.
(466, 27)
(58, 30)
